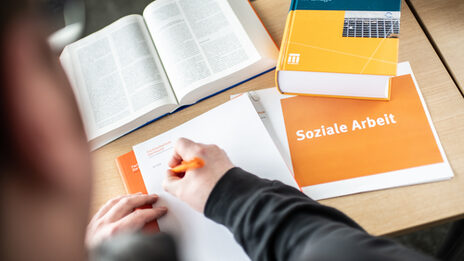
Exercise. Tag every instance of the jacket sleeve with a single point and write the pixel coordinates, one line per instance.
(273, 221)
(136, 246)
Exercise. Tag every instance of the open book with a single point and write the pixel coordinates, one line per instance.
(179, 52)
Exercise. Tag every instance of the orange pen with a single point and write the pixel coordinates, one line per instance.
(196, 163)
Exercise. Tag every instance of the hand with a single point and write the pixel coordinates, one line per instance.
(195, 186)
(120, 215)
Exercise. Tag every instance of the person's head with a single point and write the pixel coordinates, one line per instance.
(44, 159)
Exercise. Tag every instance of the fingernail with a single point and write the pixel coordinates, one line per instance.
(163, 208)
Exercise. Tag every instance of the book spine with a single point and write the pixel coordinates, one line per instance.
(284, 47)
(122, 174)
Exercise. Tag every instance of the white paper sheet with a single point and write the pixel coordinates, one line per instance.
(235, 127)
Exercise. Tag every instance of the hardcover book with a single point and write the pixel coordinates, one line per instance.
(340, 48)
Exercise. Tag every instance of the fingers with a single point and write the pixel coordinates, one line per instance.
(170, 182)
(138, 218)
(175, 160)
(184, 148)
(181, 151)
(127, 204)
(108, 205)
(125, 213)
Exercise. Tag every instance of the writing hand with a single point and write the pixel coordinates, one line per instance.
(195, 186)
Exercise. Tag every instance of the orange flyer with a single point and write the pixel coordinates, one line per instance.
(334, 139)
(133, 182)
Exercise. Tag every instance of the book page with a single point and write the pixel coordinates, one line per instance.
(118, 76)
(199, 41)
(255, 28)
(235, 127)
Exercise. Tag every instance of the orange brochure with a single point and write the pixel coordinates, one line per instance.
(332, 140)
(133, 182)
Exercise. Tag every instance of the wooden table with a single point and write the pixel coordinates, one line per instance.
(382, 212)
(443, 20)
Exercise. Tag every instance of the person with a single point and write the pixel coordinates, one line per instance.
(45, 181)
(270, 220)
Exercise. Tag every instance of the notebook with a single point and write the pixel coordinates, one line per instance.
(178, 52)
(236, 128)
(340, 48)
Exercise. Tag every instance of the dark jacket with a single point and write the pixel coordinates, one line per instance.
(273, 221)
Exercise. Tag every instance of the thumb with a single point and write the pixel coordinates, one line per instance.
(171, 183)
(184, 148)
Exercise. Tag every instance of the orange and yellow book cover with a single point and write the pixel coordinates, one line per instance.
(338, 36)
(353, 41)
(133, 182)
(338, 139)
